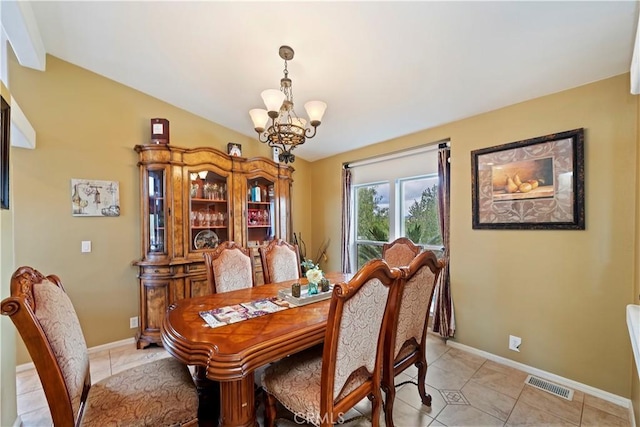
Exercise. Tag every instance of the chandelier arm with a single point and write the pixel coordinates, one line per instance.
(309, 133)
(263, 135)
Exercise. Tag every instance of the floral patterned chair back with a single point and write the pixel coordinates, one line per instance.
(400, 252)
(406, 343)
(47, 322)
(280, 261)
(322, 384)
(229, 267)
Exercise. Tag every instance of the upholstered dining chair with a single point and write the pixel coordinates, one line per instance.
(157, 393)
(400, 252)
(229, 267)
(319, 385)
(280, 261)
(407, 333)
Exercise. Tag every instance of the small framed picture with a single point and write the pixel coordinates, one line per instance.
(159, 131)
(234, 149)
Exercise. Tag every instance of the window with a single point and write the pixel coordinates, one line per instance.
(395, 197)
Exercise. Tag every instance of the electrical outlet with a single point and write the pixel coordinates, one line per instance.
(514, 343)
(133, 322)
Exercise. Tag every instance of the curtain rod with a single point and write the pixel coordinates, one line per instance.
(398, 154)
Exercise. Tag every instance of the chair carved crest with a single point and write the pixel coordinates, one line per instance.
(400, 252)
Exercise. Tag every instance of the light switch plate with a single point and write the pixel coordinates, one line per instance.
(86, 246)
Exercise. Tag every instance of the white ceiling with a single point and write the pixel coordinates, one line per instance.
(385, 69)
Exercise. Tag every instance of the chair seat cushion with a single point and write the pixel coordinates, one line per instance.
(295, 382)
(407, 349)
(158, 393)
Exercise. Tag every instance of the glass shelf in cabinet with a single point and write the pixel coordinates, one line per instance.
(193, 199)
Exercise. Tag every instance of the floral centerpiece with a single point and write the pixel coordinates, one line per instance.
(314, 276)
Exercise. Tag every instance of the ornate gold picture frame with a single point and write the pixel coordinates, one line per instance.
(533, 184)
(5, 147)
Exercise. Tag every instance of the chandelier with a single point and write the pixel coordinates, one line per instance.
(286, 130)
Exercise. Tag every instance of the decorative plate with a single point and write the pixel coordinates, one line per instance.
(206, 239)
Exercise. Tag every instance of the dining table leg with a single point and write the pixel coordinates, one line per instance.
(237, 402)
(208, 398)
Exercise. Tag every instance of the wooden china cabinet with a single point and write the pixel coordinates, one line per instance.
(190, 201)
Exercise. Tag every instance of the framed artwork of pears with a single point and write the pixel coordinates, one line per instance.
(535, 184)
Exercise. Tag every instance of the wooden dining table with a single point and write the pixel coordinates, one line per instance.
(226, 357)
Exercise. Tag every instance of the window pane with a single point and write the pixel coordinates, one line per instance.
(372, 210)
(372, 221)
(366, 252)
(419, 210)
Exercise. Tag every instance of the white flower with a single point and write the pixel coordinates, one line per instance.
(314, 275)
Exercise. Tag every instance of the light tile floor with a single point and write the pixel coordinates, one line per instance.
(466, 390)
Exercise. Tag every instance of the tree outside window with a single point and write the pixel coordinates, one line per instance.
(419, 210)
(372, 220)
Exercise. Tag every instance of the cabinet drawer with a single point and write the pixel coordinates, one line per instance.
(156, 270)
(195, 268)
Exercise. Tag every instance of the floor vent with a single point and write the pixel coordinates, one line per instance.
(549, 387)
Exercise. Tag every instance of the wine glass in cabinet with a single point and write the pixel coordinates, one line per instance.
(208, 210)
(261, 211)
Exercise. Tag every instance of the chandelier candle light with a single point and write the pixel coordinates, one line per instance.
(286, 130)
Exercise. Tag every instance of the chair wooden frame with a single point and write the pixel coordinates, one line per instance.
(22, 308)
(410, 249)
(394, 363)
(330, 410)
(211, 256)
(265, 253)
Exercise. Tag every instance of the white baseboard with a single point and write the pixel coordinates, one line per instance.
(107, 346)
(605, 395)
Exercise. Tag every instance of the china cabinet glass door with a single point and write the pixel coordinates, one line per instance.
(208, 210)
(157, 239)
(261, 211)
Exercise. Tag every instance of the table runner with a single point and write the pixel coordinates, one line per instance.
(247, 310)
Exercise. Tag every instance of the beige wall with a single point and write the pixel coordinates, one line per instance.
(87, 127)
(8, 411)
(563, 292)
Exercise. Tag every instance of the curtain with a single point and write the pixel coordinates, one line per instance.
(346, 220)
(444, 321)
